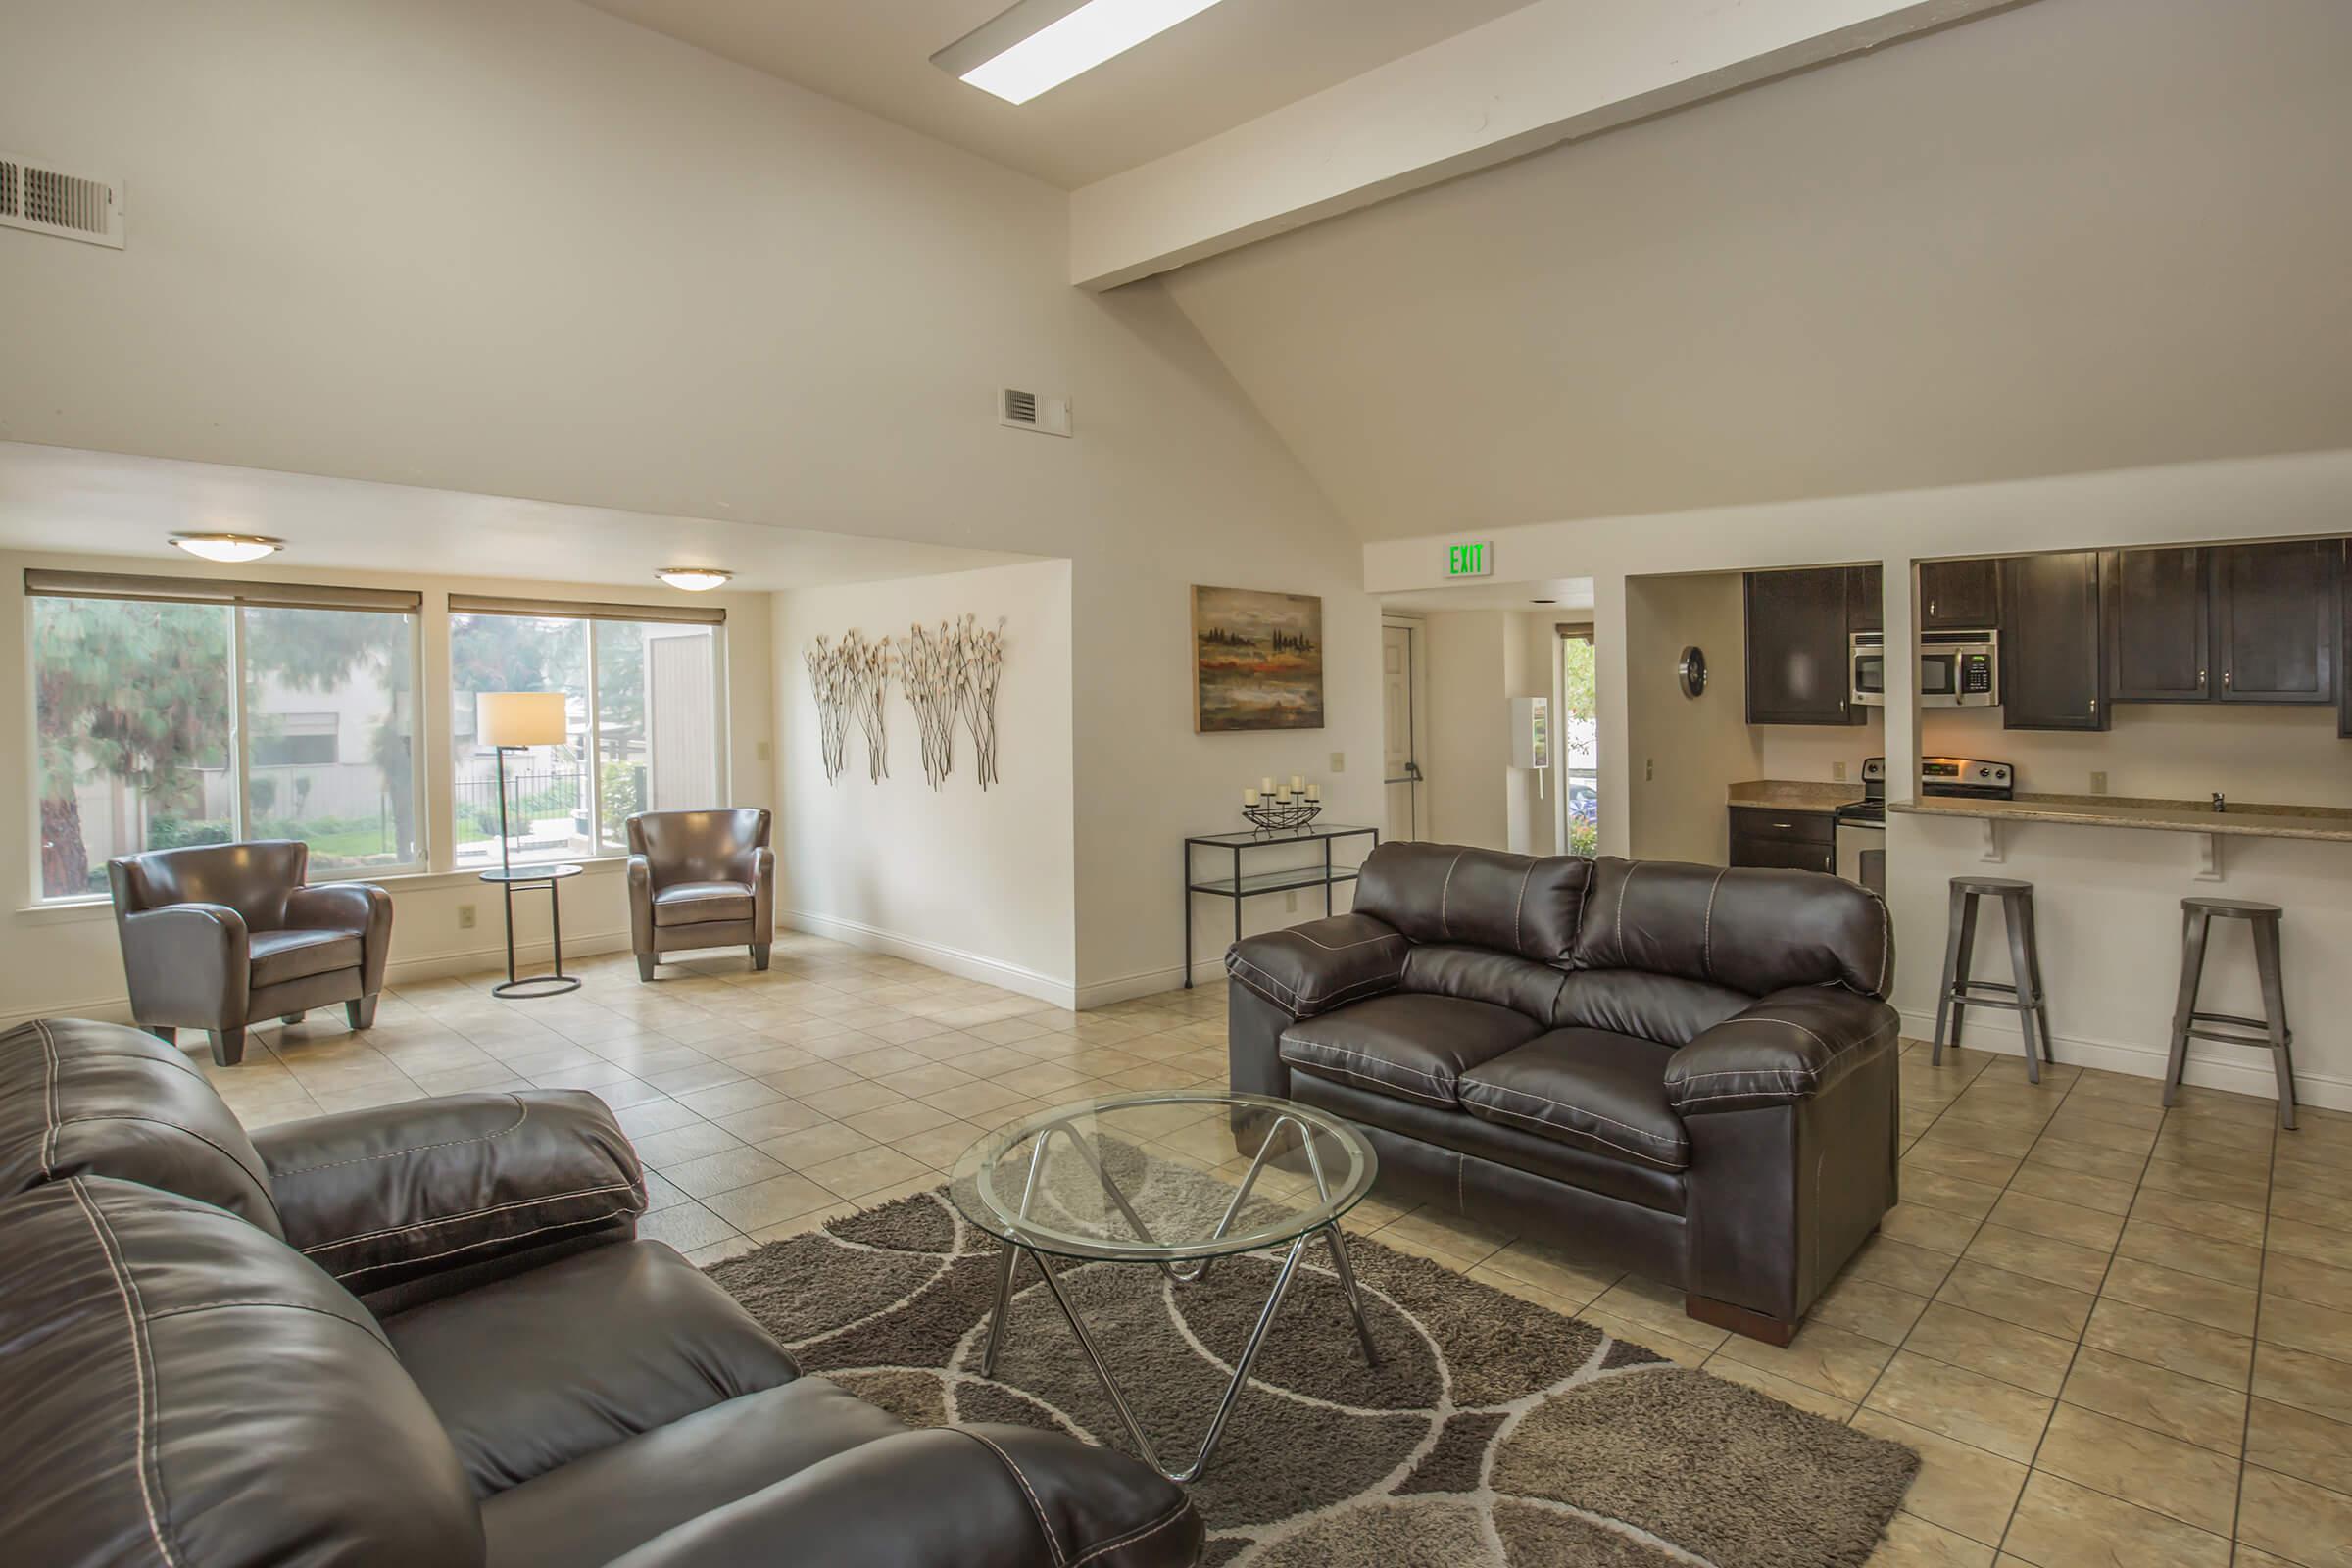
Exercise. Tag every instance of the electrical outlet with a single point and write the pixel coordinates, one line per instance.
(764, 753)
(466, 916)
(1290, 902)
(2098, 783)
(1836, 773)
(1339, 762)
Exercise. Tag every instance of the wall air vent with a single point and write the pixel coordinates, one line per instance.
(1026, 411)
(47, 201)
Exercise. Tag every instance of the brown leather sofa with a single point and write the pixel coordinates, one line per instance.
(1687, 1070)
(218, 937)
(425, 1335)
(701, 879)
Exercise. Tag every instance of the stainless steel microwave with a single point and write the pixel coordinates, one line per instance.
(1956, 670)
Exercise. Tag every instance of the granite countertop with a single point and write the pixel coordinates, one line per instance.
(1790, 795)
(2247, 820)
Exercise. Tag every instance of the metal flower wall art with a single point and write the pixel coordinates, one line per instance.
(950, 675)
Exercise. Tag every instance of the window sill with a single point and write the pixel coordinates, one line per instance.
(71, 911)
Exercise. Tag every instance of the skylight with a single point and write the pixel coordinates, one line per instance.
(1068, 46)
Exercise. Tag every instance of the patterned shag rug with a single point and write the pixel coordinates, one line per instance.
(1495, 1432)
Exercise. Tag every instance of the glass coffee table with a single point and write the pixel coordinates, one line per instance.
(1088, 1181)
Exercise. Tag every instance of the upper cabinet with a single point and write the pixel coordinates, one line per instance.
(1863, 612)
(1959, 595)
(2051, 652)
(2238, 624)
(1798, 624)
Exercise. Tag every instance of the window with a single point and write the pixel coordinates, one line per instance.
(643, 706)
(172, 711)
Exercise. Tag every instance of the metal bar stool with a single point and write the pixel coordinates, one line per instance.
(2024, 996)
(2268, 1032)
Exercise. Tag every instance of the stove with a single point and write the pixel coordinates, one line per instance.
(1968, 777)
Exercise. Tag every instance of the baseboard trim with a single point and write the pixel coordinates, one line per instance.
(2242, 1073)
(953, 960)
(116, 1009)
(1149, 982)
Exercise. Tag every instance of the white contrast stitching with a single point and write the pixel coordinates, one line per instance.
(1174, 1515)
(1575, 1110)
(1706, 930)
(487, 1241)
(524, 1114)
(1624, 886)
(1444, 888)
(1581, 1132)
(49, 1137)
(1302, 933)
(477, 1213)
(138, 1362)
(1349, 1072)
(1519, 910)
(1036, 1507)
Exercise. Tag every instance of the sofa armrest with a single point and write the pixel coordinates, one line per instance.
(360, 907)
(1312, 968)
(381, 1197)
(978, 1497)
(188, 964)
(641, 904)
(1785, 1046)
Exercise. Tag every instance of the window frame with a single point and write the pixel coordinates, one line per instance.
(237, 597)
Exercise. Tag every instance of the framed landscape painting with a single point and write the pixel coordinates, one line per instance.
(1257, 661)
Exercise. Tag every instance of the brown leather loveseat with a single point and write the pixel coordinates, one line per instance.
(1688, 1070)
(424, 1337)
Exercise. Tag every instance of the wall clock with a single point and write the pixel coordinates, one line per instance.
(1693, 670)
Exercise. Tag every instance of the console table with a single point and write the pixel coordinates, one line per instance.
(1243, 884)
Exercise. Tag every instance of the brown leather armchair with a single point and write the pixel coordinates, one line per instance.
(219, 936)
(701, 879)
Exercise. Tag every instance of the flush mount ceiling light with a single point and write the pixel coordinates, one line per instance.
(694, 579)
(228, 548)
(1040, 44)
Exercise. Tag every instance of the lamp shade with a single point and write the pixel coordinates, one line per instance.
(519, 719)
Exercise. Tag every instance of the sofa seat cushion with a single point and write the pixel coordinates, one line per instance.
(545, 1368)
(607, 1504)
(282, 955)
(1411, 1046)
(1587, 1087)
(693, 903)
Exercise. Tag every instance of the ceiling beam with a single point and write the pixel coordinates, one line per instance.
(1549, 72)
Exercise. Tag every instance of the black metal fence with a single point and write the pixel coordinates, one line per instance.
(556, 793)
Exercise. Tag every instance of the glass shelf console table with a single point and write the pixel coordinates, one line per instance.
(1238, 883)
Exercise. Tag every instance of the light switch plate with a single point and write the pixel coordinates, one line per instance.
(1836, 773)
(465, 917)
(764, 753)
(2098, 783)
(1339, 762)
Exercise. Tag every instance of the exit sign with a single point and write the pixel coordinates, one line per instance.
(1473, 560)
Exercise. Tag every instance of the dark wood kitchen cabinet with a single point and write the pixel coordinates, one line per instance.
(2232, 623)
(2158, 627)
(2053, 659)
(1797, 627)
(2275, 620)
(1959, 595)
(1863, 591)
(1783, 840)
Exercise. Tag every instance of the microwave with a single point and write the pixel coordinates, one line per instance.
(1956, 670)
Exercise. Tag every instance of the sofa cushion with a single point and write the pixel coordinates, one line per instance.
(1664, 1007)
(1411, 1046)
(1749, 929)
(548, 1367)
(585, 1514)
(693, 903)
(282, 955)
(79, 1097)
(1482, 974)
(1587, 1087)
(1446, 893)
(183, 1389)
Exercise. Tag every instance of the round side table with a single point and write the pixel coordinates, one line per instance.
(553, 983)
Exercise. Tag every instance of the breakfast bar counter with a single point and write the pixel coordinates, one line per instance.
(2250, 821)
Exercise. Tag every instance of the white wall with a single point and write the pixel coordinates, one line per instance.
(1811, 752)
(523, 248)
(65, 961)
(1687, 752)
(978, 881)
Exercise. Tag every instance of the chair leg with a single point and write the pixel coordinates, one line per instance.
(360, 1011)
(2041, 993)
(2193, 929)
(1951, 972)
(2274, 1012)
(292, 1017)
(165, 1032)
(228, 1046)
(760, 955)
(2021, 970)
(1968, 961)
(646, 962)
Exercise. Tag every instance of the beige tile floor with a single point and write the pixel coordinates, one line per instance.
(2117, 1335)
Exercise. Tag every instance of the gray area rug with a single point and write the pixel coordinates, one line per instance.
(1495, 1432)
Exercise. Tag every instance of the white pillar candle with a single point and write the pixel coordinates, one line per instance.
(1248, 797)
(1314, 792)
(1298, 783)
(1266, 784)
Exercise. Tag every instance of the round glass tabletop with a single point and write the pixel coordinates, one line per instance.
(532, 873)
(1127, 1177)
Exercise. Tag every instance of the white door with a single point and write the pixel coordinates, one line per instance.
(1398, 767)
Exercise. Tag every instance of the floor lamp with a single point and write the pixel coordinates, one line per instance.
(509, 721)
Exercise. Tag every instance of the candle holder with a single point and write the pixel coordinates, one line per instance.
(1272, 818)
